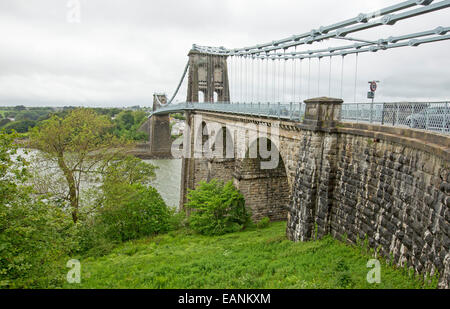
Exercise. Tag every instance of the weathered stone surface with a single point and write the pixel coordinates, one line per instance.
(392, 191)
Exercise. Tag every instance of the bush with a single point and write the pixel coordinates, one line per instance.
(217, 209)
(34, 234)
(4, 122)
(34, 238)
(22, 126)
(264, 223)
(132, 212)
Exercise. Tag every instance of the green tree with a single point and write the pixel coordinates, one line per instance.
(132, 211)
(217, 208)
(22, 126)
(32, 231)
(4, 122)
(126, 119)
(81, 145)
(129, 170)
(20, 108)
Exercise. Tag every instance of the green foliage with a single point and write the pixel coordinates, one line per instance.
(133, 211)
(263, 223)
(20, 108)
(81, 145)
(4, 122)
(252, 259)
(33, 232)
(129, 208)
(178, 116)
(22, 126)
(128, 123)
(129, 170)
(217, 209)
(177, 220)
(343, 276)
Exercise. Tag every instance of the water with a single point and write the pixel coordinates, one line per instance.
(168, 180)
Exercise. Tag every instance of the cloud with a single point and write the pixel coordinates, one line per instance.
(124, 51)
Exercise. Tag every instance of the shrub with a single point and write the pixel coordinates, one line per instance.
(34, 234)
(264, 223)
(34, 238)
(178, 220)
(132, 212)
(22, 126)
(217, 209)
(4, 122)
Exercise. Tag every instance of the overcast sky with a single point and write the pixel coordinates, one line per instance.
(122, 52)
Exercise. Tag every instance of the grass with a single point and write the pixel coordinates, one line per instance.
(253, 259)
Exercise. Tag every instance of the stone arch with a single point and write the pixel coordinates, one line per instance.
(266, 190)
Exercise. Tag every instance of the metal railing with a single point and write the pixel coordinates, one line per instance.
(431, 116)
(285, 111)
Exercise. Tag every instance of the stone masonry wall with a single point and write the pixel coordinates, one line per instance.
(266, 192)
(395, 195)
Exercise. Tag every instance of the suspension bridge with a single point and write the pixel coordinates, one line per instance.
(273, 79)
(375, 171)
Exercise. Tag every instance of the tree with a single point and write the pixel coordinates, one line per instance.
(217, 208)
(81, 145)
(4, 122)
(33, 232)
(20, 108)
(22, 126)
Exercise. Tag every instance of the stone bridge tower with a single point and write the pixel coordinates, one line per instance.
(208, 74)
(158, 128)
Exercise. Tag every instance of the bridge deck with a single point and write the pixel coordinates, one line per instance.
(434, 116)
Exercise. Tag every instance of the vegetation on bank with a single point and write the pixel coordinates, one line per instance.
(250, 259)
(43, 223)
(217, 209)
(125, 122)
(124, 234)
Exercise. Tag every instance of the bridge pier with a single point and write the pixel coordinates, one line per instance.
(158, 129)
(310, 210)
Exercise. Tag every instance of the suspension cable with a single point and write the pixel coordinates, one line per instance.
(318, 83)
(179, 85)
(356, 76)
(342, 78)
(309, 78)
(301, 81)
(273, 81)
(329, 80)
(294, 78)
(284, 81)
(267, 80)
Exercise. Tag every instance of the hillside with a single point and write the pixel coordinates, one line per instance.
(260, 259)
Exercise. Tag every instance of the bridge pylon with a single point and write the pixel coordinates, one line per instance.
(158, 128)
(208, 74)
